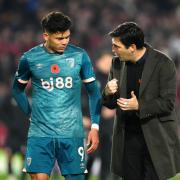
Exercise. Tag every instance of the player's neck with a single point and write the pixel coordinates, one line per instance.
(49, 50)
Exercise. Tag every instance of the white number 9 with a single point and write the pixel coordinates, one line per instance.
(81, 152)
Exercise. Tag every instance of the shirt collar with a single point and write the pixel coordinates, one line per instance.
(142, 59)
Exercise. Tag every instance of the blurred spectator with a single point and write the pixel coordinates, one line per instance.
(3, 135)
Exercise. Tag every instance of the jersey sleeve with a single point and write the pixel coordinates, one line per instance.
(20, 81)
(94, 97)
(23, 72)
(87, 72)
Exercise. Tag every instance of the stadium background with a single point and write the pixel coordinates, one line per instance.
(92, 20)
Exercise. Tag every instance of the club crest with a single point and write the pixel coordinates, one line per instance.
(29, 160)
(70, 62)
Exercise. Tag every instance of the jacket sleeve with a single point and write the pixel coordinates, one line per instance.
(164, 103)
(111, 100)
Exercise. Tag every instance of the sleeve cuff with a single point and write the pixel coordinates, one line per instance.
(95, 126)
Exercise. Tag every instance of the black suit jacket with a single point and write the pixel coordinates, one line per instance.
(157, 96)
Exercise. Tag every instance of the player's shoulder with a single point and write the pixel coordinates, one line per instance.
(75, 49)
(34, 51)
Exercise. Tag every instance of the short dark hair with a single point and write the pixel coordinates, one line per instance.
(55, 22)
(129, 33)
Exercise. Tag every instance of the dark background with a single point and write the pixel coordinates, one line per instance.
(92, 20)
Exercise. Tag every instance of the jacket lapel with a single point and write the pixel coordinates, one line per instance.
(119, 72)
(123, 87)
(149, 67)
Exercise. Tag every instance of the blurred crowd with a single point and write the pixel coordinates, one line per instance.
(92, 20)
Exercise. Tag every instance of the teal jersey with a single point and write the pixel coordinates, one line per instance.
(56, 90)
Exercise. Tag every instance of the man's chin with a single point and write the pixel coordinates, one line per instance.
(60, 51)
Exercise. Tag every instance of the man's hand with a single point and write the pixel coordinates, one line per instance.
(111, 87)
(128, 104)
(93, 140)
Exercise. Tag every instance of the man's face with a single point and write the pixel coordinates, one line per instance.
(120, 50)
(57, 42)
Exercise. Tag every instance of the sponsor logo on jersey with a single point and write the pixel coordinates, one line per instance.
(82, 165)
(55, 69)
(70, 62)
(59, 83)
(86, 171)
(39, 66)
(24, 170)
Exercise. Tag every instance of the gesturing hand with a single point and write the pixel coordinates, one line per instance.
(111, 87)
(128, 104)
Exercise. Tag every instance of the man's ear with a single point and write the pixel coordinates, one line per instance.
(45, 36)
(132, 48)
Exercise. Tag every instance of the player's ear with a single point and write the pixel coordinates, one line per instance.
(45, 36)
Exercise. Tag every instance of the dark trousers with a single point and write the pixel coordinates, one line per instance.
(137, 161)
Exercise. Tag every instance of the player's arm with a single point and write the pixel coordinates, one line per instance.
(20, 81)
(94, 95)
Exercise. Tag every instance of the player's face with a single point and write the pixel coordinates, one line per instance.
(120, 50)
(57, 42)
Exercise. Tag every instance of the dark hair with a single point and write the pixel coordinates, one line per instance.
(129, 33)
(55, 22)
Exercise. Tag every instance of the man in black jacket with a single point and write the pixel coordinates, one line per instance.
(142, 88)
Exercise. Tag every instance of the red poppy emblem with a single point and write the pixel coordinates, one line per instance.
(55, 69)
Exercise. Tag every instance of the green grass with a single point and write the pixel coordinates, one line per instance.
(96, 178)
(175, 178)
(5, 177)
